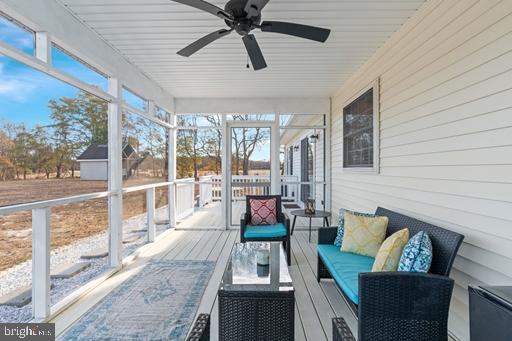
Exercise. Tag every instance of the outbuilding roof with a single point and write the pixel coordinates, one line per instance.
(100, 152)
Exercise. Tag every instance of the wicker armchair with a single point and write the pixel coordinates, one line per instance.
(402, 305)
(282, 218)
(201, 329)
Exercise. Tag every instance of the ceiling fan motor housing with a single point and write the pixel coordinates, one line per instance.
(242, 25)
(243, 16)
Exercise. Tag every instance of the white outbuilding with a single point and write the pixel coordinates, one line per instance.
(94, 162)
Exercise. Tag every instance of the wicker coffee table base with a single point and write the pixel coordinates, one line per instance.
(256, 315)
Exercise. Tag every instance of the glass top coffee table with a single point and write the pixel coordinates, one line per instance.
(256, 302)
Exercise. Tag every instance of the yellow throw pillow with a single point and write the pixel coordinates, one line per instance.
(363, 235)
(390, 252)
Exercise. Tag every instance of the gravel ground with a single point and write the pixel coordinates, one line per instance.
(20, 275)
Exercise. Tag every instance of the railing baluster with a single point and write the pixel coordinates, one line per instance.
(41, 263)
(150, 208)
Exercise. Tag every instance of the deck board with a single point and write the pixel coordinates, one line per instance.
(321, 305)
(315, 303)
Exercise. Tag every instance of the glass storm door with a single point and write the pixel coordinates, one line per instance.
(249, 157)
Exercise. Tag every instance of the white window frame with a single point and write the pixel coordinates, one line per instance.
(375, 169)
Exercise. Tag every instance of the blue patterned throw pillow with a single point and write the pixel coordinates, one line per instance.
(417, 254)
(341, 224)
(341, 230)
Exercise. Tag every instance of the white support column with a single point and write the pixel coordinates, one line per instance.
(225, 172)
(327, 160)
(275, 144)
(172, 172)
(150, 208)
(41, 263)
(193, 195)
(151, 108)
(115, 183)
(43, 47)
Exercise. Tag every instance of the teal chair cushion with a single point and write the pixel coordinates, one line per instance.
(345, 268)
(265, 231)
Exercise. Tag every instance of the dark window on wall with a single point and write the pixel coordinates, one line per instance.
(358, 132)
(304, 169)
(311, 161)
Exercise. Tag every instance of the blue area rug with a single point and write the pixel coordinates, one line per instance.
(159, 303)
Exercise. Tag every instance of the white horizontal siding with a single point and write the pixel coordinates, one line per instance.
(446, 135)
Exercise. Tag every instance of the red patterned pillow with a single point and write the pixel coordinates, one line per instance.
(263, 211)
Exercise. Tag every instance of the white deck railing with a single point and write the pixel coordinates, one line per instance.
(210, 187)
(206, 190)
(185, 198)
(41, 249)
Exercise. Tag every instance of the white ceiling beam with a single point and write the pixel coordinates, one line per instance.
(252, 105)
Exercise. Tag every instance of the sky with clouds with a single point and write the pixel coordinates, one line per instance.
(25, 92)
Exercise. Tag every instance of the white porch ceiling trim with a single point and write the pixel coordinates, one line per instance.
(150, 32)
(253, 105)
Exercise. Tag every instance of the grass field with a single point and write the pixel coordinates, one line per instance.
(68, 222)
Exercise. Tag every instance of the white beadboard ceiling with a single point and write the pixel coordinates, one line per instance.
(150, 32)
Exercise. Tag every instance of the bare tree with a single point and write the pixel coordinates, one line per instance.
(245, 141)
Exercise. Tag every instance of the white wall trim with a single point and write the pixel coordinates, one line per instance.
(252, 105)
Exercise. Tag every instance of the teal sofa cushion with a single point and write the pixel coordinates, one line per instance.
(264, 231)
(345, 268)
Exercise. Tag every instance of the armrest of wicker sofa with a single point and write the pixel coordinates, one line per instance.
(201, 329)
(326, 235)
(341, 331)
(404, 305)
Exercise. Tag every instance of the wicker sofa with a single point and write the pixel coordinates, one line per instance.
(201, 329)
(393, 305)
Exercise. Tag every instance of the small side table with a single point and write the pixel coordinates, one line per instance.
(302, 213)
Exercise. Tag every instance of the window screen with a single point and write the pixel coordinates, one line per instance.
(358, 132)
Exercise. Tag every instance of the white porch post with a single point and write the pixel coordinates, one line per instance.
(172, 171)
(41, 263)
(327, 159)
(275, 176)
(43, 47)
(115, 183)
(150, 208)
(226, 173)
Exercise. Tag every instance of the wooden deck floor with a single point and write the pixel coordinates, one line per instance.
(316, 303)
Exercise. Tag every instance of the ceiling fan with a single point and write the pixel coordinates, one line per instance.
(243, 16)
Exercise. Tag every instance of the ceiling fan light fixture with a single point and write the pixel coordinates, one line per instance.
(243, 16)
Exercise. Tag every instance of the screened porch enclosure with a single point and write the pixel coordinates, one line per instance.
(255, 163)
(116, 152)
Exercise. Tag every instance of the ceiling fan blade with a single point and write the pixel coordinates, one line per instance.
(254, 51)
(297, 30)
(200, 43)
(207, 7)
(253, 7)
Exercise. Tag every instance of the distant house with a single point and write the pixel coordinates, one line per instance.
(94, 162)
